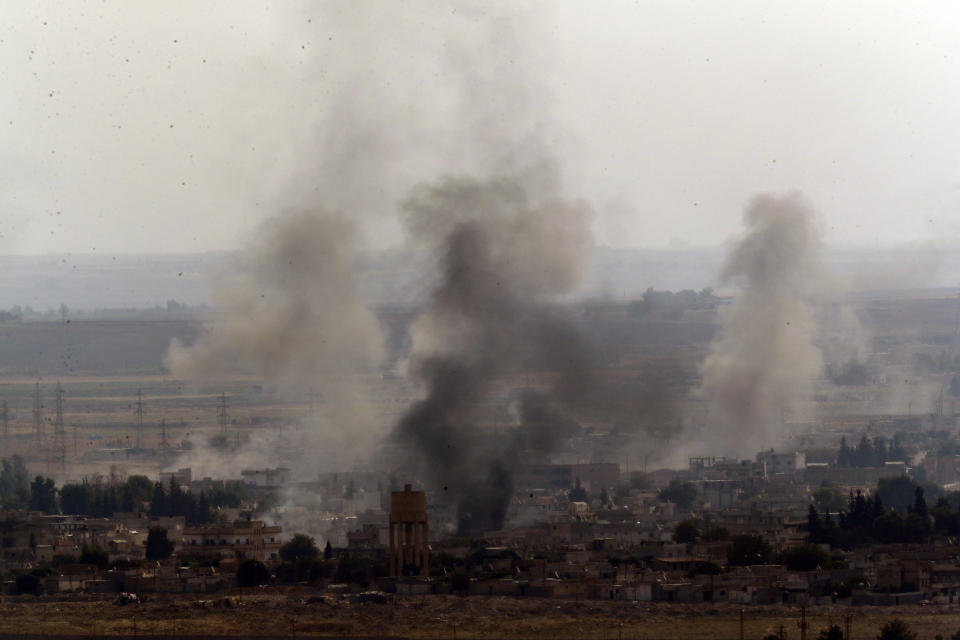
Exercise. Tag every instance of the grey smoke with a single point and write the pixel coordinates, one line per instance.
(289, 313)
(763, 358)
(505, 259)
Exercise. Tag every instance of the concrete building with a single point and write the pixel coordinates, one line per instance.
(180, 477)
(251, 539)
(787, 463)
(266, 477)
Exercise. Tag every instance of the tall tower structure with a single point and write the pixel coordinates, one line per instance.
(408, 531)
(37, 418)
(139, 413)
(223, 418)
(60, 437)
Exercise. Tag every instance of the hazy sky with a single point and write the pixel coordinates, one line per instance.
(177, 126)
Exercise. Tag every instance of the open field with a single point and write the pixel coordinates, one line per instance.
(286, 614)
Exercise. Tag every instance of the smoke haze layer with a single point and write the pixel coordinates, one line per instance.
(504, 260)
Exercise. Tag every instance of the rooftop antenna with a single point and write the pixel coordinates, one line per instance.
(139, 412)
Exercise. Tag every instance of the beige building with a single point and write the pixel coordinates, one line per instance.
(249, 539)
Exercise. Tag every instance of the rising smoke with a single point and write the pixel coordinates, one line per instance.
(505, 259)
(763, 359)
(289, 313)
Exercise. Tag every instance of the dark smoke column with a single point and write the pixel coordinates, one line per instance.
(503, 260)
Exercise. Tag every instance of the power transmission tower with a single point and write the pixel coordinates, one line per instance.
(58, 432)
(164, 443)
(37, 421)
(223, 417)
(139, 412)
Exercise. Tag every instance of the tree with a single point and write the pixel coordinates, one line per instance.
(897, 493)
(158, 502)
(715, 533)
(639, 480)
(43, 495)
(604, 498)
(829, 499)
(14, 483)
(328, 551)
(252, 573)
(28, 583)
(686, 532)
(578, 493)
(805, 557)
(833, 632)
(460, 582)
(680, 493)
(920, 503)
(158, 546)
(814, 526)
(896, 629)
(747, 550)
(93, 554)
(299, 547)
(138, 489)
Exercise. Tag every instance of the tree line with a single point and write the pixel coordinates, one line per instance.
(870, 454)
(103, 499)
(873, 520)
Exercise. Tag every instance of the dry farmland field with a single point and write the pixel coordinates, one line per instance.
(302, 613)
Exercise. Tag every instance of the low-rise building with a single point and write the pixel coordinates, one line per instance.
(249, 539)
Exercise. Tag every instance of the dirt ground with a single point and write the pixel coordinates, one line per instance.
(290, 613)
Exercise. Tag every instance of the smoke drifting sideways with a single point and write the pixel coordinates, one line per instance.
(289, 313)
(506, 257)
(762, 361)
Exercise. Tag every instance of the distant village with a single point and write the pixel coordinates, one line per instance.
(865, 527)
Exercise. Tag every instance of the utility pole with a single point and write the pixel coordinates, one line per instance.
(58, 432)
(847, 618)
(139, 412)
(803, 623)
(741, 624)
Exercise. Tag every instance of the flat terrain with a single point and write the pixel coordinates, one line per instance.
(286, 614)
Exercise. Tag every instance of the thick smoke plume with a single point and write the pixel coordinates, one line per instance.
(504, 260)
(289, 313)
(763, 359)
